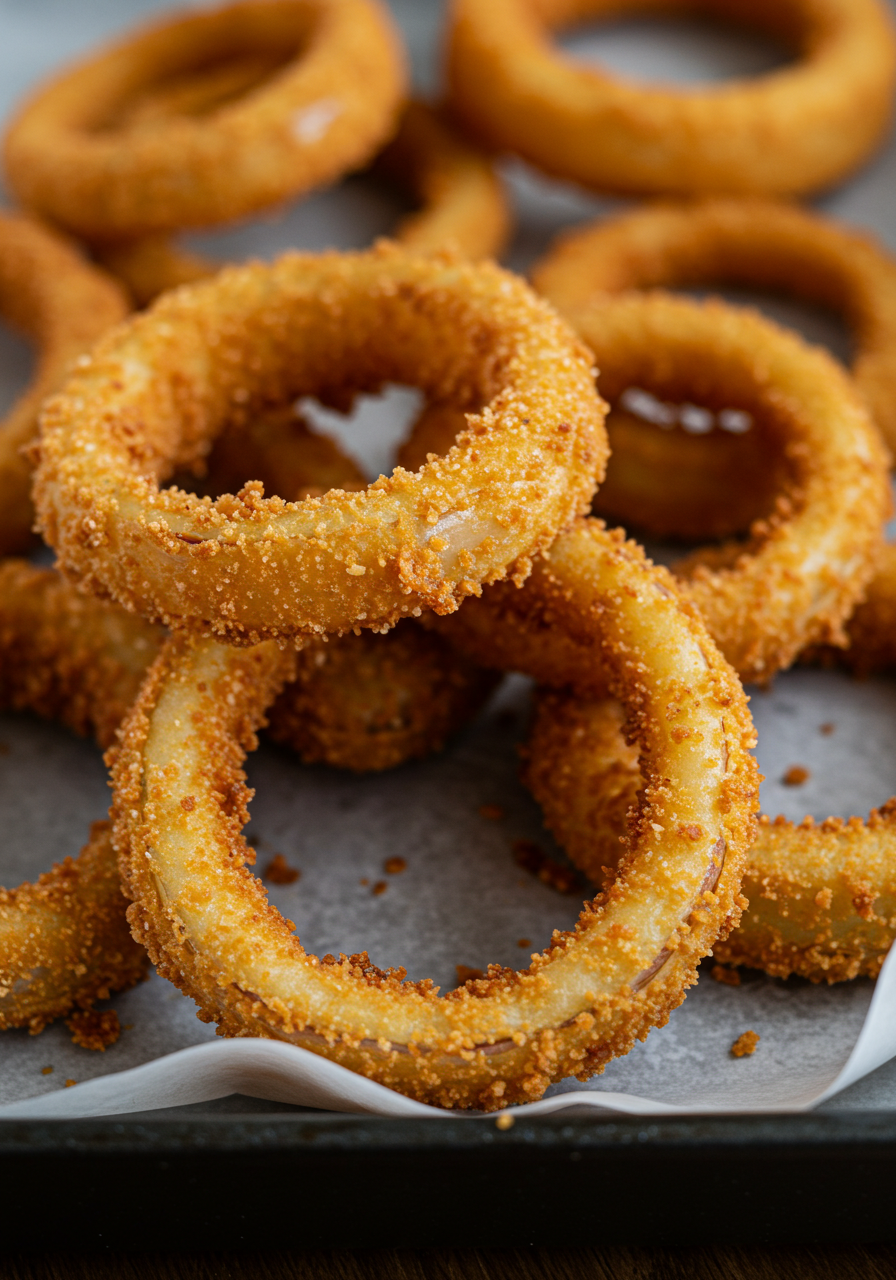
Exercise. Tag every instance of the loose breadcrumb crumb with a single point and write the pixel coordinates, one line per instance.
(796, 775)
(69, 1083)
(92, 1029)
(465, 973)
(745, 1045)
(531, 857)
(278, 871)
(505, 1121)
(46, 1071)
(826, 729)
(493, 812)
(395, 866)
(524, 942)
(378, 888)
(728, 977)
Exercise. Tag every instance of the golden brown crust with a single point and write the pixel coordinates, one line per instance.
(805, 567)
(761, 243)
(791, 132)
(331, 72)
(180, 801)
(64, 940)
(63, 304)
(821, 896)
(464, 207)
(367, 702)
(159, 388)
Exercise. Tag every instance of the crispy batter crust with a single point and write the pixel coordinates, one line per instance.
(331, 72)
(463, 201)
(64, 941)
(794, 131)
(804, 568)
(739, 242)
(63, 304)
(822, 896)
(180, 801)
(159, 388)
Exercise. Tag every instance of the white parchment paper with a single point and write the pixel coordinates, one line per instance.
(462, 899)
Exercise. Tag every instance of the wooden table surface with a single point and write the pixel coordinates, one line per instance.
(827, 1262)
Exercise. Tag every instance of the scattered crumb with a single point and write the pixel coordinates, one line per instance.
(127, 1026)
(796, 775)
(378, 888)
(92, 1029)
(826, 729)
(493, 812)
(531, 857)
(465, 973)
(824, 898)
(46, 1071)
(363, 882)
(728, 977)
(394, 866)
(69, 1083)
(505, 1121)
(524, 942)
(278, 871)
(745, 1045)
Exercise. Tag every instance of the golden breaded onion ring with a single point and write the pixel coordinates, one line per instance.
(64, 941)
(180, 800)
(789, 132)
(805, 566)
(464, 207)
(822, 896)
(159, 389)
(63, 304)
(758, 243)
(80, 153)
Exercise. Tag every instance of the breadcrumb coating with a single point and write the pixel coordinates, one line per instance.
(821, 896)
(159, 389)
(505, 1037)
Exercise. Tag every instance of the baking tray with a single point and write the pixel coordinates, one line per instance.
(316, 1180)
(241, 1173)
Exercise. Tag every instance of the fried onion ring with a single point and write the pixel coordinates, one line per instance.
(63, 304)
(81, 152)
(759, 243)
(822, 896)
(791, 132)
(805, 567)
(64, 941)
(159, 389)
(180, 800)
(464, 206)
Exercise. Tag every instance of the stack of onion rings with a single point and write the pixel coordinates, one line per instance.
(81, 152)
(63, 305)
(788, 133)
(180, 801)
(153, 397)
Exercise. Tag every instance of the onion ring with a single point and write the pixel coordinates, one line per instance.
(336, 77)
(805, 567)
(64, 941)
(464, 206)
(63, 304)
(742, 242)
(822, 896)
(155, 393)
(180, 799)
(795, 131)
